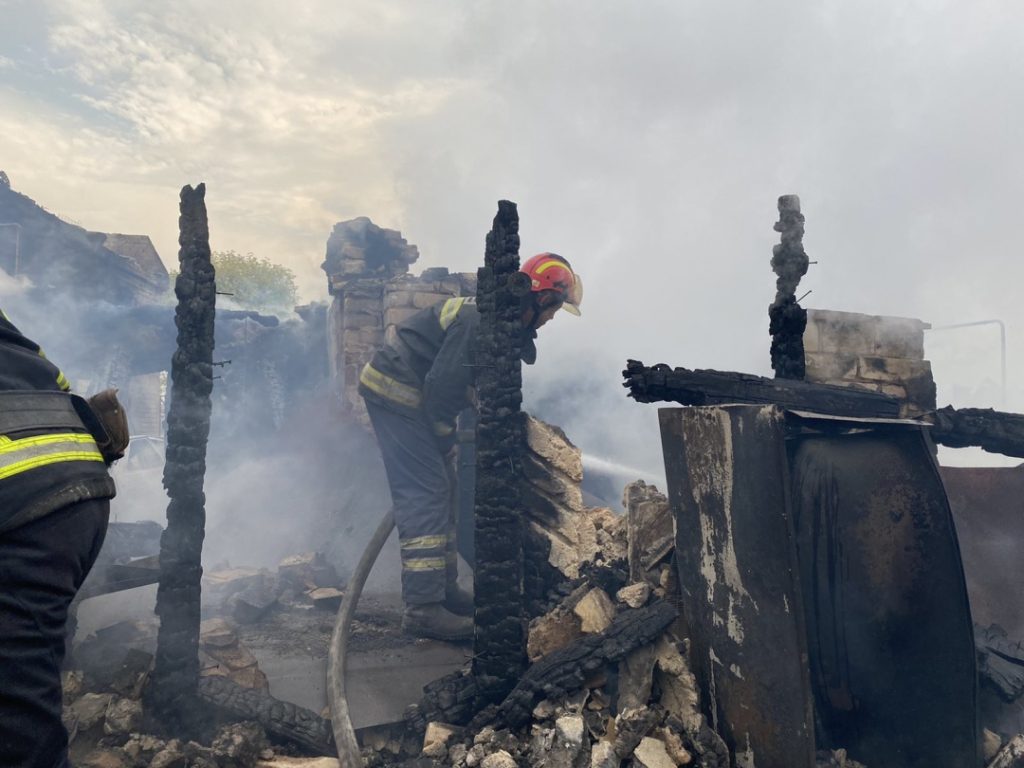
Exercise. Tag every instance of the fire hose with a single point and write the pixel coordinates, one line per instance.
(341, 721)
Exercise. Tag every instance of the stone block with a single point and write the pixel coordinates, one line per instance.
(436, 738)
(90, 710)
(326, 598)
(812, 338)
(634, 595)
(844, 332)
(552, 482)
(827, 366)
(355, 320)
(422, 299)
(602, 755)
(551, 444)
(217, 633)
(891, 370)
(499, 759)
(595, 611)
(358, 305)
(651, 753)
(900, 337)
(397, 298)
(123, 716)
(554, 630)
(894, 390)
(397, 315)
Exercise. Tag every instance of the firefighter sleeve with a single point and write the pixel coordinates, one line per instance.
(446, 387)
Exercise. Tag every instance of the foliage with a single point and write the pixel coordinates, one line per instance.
(255, 283)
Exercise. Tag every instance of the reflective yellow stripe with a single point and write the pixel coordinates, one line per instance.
(424, 564)
(387, 387)
(450, 310)
(62, 381)
(548, 265)
(17, 456)
(424, 542)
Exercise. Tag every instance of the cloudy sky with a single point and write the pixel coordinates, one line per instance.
(645, 141)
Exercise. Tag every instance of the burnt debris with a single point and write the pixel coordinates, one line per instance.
(500, 652)
(787, 318)
(660, 383)
(176, 674)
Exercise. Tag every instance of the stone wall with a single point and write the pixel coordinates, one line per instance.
(881, 354)
(368, 275)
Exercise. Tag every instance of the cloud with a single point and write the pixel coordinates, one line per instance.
(646, 143)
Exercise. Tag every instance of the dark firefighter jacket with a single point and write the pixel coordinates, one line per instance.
(429, 367)
(42, 468)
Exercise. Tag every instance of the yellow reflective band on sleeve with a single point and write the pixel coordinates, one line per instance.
(17, 456)
(450, 310)
(62, 381)
(424, 564)
(424, 542)
(389, 388)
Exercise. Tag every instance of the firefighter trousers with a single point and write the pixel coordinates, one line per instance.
(42, 566)
(421, 479)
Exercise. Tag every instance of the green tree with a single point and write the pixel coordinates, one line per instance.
(253, 283)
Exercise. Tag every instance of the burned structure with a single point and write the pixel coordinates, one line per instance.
(176, 673)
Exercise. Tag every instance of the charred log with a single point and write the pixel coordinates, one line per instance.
(500, 647)
(660, 383)
(992, 431)
(564, 671)
(176, 673)
(282, 720)
(787, 318)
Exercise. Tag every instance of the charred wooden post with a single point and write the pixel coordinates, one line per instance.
(176, 675)
(787, 318)
(500, 647)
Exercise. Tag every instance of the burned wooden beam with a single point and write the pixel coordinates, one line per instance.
(281, 719)
(567, 669)
(172, 692)
(992, 431)
(787, 319)
(500, 644)
(660, 383)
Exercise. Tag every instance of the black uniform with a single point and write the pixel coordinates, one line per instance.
(414, 389)
(54, 505)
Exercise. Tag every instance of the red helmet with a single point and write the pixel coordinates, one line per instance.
(550, 272)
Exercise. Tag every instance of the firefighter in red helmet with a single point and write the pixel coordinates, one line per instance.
(414, 389)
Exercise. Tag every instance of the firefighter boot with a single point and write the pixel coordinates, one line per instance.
(458, 600)
(435, 621)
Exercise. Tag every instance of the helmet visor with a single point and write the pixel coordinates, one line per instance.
(574, 297)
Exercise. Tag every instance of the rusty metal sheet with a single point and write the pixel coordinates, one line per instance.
(728, 489)
(890, 640)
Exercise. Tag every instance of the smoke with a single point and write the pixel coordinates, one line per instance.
(286, 471)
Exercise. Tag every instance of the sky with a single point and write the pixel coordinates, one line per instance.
(647, 142)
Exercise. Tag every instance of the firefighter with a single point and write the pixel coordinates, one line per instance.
(414, 389)
(55, 496)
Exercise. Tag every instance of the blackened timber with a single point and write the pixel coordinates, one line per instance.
(283, 720)
(566, 670)
(660, 383)
(787, 319)
(499, 643)
(992, 431)
(172, 692)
